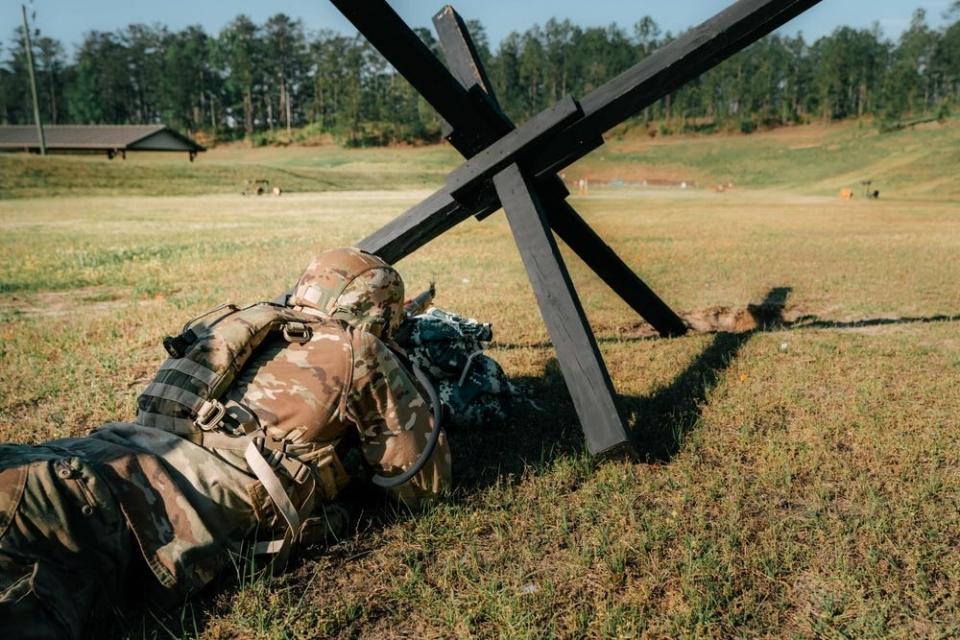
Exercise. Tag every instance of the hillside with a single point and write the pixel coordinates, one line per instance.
(812, 159)
(225, 170)
(816, 159)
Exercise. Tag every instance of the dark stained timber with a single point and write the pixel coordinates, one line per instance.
(566, 222)
(640, 86)
(605, 262)
(441, 211)
(517, 167)
(466, 67)
(414, 228)
(458, 47)
(391, 36)
(666, 70)
(510, 147)
(580, 362)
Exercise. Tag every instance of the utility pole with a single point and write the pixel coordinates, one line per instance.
(33, 83)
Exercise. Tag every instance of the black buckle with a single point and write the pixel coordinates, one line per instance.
(177, 346)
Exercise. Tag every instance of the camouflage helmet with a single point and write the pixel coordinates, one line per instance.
(354, 286)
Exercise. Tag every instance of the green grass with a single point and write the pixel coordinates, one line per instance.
(818, 159)
(796, 481)
(224, 170)
(918, 162)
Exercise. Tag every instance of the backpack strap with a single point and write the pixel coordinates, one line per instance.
(188, 385)
(282, 503)
(191, 368)
(266, 457)
(208, 413)
(229, 425)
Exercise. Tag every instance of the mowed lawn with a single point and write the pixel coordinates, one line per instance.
(800, 480)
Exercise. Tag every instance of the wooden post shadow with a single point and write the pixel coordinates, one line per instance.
(516, 167)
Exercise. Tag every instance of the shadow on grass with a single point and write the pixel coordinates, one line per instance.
(661, 421)
(767, 316)
(658, 422)
(815, 322)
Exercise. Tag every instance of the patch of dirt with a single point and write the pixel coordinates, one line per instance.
(745, 319)
(728, 319)
(773, 316)
(724, 319)
(630, 173)
(55, 304)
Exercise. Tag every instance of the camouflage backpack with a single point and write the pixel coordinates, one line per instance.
(184, 398)
(205, 358)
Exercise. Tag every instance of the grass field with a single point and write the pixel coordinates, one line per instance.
(800, 479)
(815, 159)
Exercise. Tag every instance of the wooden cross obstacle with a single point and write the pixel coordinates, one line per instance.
(515, 167)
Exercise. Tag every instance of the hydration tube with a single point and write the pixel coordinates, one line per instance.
(389, 482)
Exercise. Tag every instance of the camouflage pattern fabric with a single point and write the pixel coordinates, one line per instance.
(62, 538)
(186, 509)
(74, 511)
(354, 286)
(220, 345)
(297, 393)
(471, 384)
(76, 514)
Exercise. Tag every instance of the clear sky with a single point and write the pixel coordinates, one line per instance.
(68, 20)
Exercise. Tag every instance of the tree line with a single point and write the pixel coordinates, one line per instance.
(276, 81)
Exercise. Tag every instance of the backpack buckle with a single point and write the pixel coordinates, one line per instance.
(177, 346)
(297, 332)
(209, 415)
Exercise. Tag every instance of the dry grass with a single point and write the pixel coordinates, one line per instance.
(798, 480)
(224, 170)
(813, 159)
(819, 159)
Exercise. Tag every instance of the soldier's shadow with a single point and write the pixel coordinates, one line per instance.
(658, 422)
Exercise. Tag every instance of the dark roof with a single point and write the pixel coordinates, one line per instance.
(98, 136)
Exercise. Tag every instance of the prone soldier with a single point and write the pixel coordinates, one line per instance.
(239, 443)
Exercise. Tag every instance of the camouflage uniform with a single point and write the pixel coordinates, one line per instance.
(76, 513)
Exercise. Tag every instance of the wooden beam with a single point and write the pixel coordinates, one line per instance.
(419, 225)
(461, 53)
(666, 70)
(466, 66)
(577, 353)
(391, 36)
(440, 212)
(511, 147)
(605, 262)
(463, 196)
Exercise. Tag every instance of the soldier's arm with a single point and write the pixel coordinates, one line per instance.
(395, 420)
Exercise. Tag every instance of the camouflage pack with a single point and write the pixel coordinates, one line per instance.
(450, 349)
(352, 285)
(206, 357)
(185, 398)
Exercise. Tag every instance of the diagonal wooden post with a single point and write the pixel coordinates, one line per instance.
(580, 361)
(467, 68)
(516, 167)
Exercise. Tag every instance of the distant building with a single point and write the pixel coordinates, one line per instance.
(111, 139)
